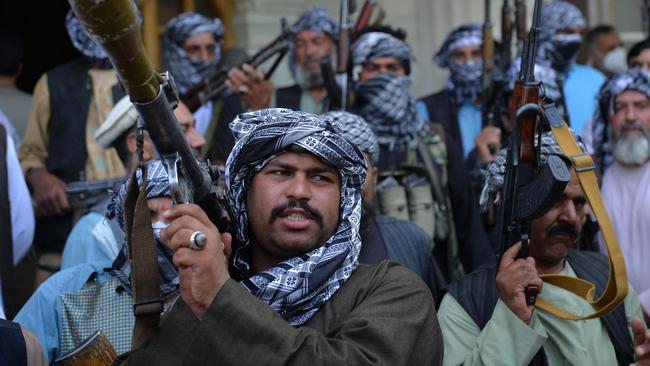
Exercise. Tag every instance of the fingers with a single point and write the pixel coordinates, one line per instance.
(189, 210)
(639, 332)
(509, 256)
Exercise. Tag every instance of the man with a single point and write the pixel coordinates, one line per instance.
(95, 237)
(191, 51)
(385, 237)
(559, 42)
(296, 294)
(487, 321)
(382, 97)
(604, 50)
(69, 103)
(13, 102)
(74, 303)
(457, 107)
(622, 142)
(639, 56)
(313, 39)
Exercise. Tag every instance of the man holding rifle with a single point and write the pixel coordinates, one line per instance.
(488, 321)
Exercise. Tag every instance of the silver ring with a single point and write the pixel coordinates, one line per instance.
(198, 240)
(243, 89)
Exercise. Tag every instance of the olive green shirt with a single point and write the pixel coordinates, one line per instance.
(506, 340)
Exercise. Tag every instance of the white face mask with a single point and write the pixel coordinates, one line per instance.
(614, 61)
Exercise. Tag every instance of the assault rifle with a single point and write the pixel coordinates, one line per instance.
(86, 193)
(645, 14)
(507, 12)
(529, 189)
(214, 87)
(520, 24)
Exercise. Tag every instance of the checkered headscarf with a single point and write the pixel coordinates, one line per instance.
(388, 106)
(157, 186)
(496, 171)
(188, 72)
(356, 130)
(465, 35)
(542, 73)
(634, 79)
(81, 40)
(559, 15)
(297, 287)
(379, 44)
(317, 19)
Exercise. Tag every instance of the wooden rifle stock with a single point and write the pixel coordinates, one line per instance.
(506, 36)
(520, 20)
(364, 16)
(523, 94)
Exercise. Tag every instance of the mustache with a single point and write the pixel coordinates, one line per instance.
(313, 212)
(563, 229)
(634, 125)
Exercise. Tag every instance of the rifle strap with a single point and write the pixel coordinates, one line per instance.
(147, 304)
(6, 236)
(616, 288)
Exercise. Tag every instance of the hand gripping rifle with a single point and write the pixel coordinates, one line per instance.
(213, 87)
(529, 189)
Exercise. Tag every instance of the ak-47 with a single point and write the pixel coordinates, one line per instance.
(213, 87)
(645, 14)
(529, 189)
(89, 192)
(520, 23)
(507, 28)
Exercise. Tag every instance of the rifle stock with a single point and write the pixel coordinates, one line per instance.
(95, 350)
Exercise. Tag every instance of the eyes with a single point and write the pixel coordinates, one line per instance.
(390, 68)
(622, 107)
(316, 177)
(316, 42)
(195, 50)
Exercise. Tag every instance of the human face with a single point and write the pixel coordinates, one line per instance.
(379, 65)
(556, 232)
(631, 111)
(370, 184)
(312, 47)
(464, 54)
(642, 60)
(607, 42)
(186, 121)
(293, 207)
(200, 47)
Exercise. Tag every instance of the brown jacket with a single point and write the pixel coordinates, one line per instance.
(383, 315)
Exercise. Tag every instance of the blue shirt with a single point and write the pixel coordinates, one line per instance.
(90, 240)
(581, 86)
(469, 123)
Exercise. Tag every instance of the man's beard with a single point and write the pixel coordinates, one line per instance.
(309, 78)
(632, 150)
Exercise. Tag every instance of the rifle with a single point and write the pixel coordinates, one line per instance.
(520, 23)
(214, 86)
(645, 16)
(529, 189)
(364, 16)
(507, 12)
(86, 193)
(343, 52)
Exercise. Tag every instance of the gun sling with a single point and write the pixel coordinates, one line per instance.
(616, 288)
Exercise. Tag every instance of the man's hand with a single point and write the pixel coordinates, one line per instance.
(49, 193)
(488, 143)
(250, 86)
(202, 272)
(512, 279)
(641, 343)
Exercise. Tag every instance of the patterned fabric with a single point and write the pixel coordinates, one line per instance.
(389, 107)
(296, 287)
(356, 130)
(496, 170)
(188, 72)
(559, 50)
(81, 40)
(545, 74)
(465, 35)
(634, 79)
(378, 44)
(157, 186)
(316, 19)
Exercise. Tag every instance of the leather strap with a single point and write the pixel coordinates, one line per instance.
(147, 304)
(616, 288)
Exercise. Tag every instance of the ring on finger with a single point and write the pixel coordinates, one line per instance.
(198, 239)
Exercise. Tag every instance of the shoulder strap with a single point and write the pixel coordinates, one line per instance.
(616, 288)
(6, 236)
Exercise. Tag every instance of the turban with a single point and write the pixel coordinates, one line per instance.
(635, 79)
(379, 44)
(356, 130)
(465, 35)
(81, 40)
(559, 50)
(316, 19)
(297, 287)
(188, 72)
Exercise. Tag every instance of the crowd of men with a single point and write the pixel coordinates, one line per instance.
(359, 237)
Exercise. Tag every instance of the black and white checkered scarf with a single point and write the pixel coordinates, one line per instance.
(317, 19)
(557, 16)
(188, 72)
(634, 79)
(81, 40)
(356, 130)
(157, 186)
(379, 44)
(388, 106)
(297, 287)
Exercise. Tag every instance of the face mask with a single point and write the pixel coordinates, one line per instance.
(615, 60)
(466, 79)
(562, 50)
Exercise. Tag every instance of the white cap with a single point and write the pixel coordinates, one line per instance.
(121, 118)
